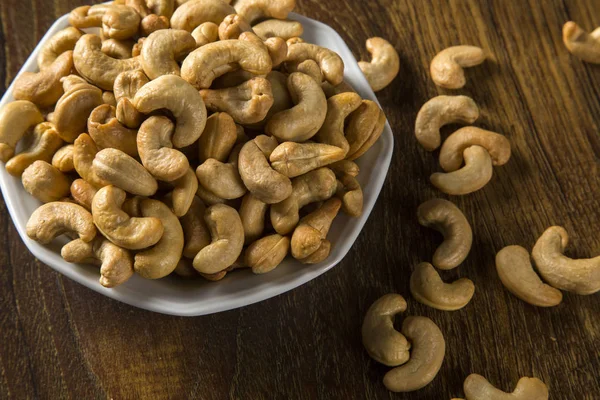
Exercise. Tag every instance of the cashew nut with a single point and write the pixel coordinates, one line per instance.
(181, 99)
(222, 179)
(252, 213)
(476, 173)
(117, 226)
(107, 131)
(109, 98)
(365, 126)
(277, 48)
(447, 66)
(281, 97)
(518, 276)
(44, 182)
(308, 67)
(312, 230)
(451, 154)
(446, 218)
(127, 84)
(332, 65)
(63, 159)
(152, 23)
(384, 65)
(160, 260)
(119, 49)
(427, 287)
(294, 159)
(350, 193)
(136, 50)
(53, 219)
(139, 6)
(16, 118)
(320, 255)
(331, 90)
(476, 387)
(161, 7)
(338, 109)
(384, 343)
(294, 40)
(84, 152)
(254, 10)
(62, 41)
(41, 144)
(426, 356)
(267, 253)
(156, 150)
(284, 29)
(233, 26)
(218, 138)
(88, 17)
(344, 167)
(120, 22)
(262, 181)
(184, 192)
(316, 185)
(581, 276)
(206, 33)
(247, 103)
(97, 67)
(195, 231)
(162, 49)
(123, 171)
(227, 235)
(208, 197)
(583, 45)
(83, 193)
(195, 12)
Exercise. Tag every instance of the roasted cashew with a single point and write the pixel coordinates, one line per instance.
(294, 40)
(365, 126)
(227, 242)
(84, 152)
(308, 67)
(384, 65)
(426, 356)
(97, 67)
(41, 144)
(281, 97)
(127, 84)
(476, 387)
(476, 173)
(439, 111)
(267, 253)
(44, 182)
(583, 45)
(120, 22)
(162, 49)
(44, 88)
(205, 33)
(332, 65)
(152, 23)
(88, 17)
(83, 193)
(233, 26)
(161, 7)
(136, 50)
(277, 48)
(514, 268)
(451, 154)
(116, 264)
(107, 131)
(262, 181)
(581, 276)
(195, 231)
(338, 109)
(62, 41)
(316, 185)
(109, 98)
(185, 103)
(156, 150)
(320, 255)
(252, 213)
(345, 167)
(16, 118)
(123, 171)
(254, 10)
(184, 192)
(384, 343)
(212, 60)
(218, 138)
(447, 66)
(53, 219)
(304, 120)
(119, 49)
(63, 159)
(222, 179)
(446, 218)
(294, 159)
(427, 287)
(195, 12)
(331, 90)
(139, 6)
(208, 197)
(312, 230)
(284, 29)
(350, 193)
(118, 227)
(160, 260)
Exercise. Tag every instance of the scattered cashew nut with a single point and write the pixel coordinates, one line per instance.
(476, 387)
(451, 154)
(427, 287)
(447, 66)
(384, 65)
(476, 173)
(583, 45)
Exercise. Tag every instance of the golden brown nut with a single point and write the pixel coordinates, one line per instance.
(41, 144)
(451, 153)
(15, 119)
(384, 65)
(53, 219)
(364, 127)
(295, 159)
(427, 288)
(162, 49)
(84, 152)
(350, 193)
(339, 107)
(252, 213)
(120, 22)
(107, 131)
(581, 44)
(265, 254)
(152, 23)
(447, 66)
(193, 13)
(476, 173)
(125, 172)
(206, 33)
(184, 192)
(233, 26)
(253, 10)
(62, 41)
(285, 29)
(63, 159)
(195, 232)
(44, 182)
(83, 193)
(332, 65)
(222, 179)
(218, 138)
(313, 229)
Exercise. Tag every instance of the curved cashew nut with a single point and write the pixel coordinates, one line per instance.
(447, 66)
(127, 84)
(233, 26)
(252, 213)
(514, 268)
(88, 17)
(284, 29)
(119, 49)
(345, 167)
(44, 182)
(118, 227)
(227, 242)
(331, 90)
(476, 173)
(83, 193)
(281, 97)
(254, 10)
(320, 255)
(314, 186)
(161, 7)
(222, 179)
(152, 23)
(206, 33)
(581, 44)
(218, 138)
(61, 42)
(580, 276)
(160, 260)
(476, 387)
(247, 103)
(384, 343)
(124, 172)
(41, 145)
(267, 253)
(295, 159)
(185, 103)
(365, 126)
(384, 65)
(162, 49)
(451, 154)
(184, 193)
(262, 181)
(439, 111)
(84, 152)
(308, 67)
(97, 67)
(44, 88)
(446, 218)
(427, 288)
(195, 231)
(156, 150)
(15, 119)
(107, 131)
(212, 60)
(304, 120)
(53, 219)
(312, 230)
(277, 48)
(426, 356)
(338, 109)
(62, 159)
(350, 193)
(120, 22)
(195, 12)
(332, 65)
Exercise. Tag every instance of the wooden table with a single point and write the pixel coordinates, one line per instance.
(61, 340)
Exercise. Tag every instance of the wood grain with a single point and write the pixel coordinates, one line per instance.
(61, 340)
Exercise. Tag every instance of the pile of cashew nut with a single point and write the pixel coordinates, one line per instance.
(190, 137)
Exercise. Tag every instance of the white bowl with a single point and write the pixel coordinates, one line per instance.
(198, 297)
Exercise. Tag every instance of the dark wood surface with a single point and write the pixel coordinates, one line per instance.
(61, 340)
